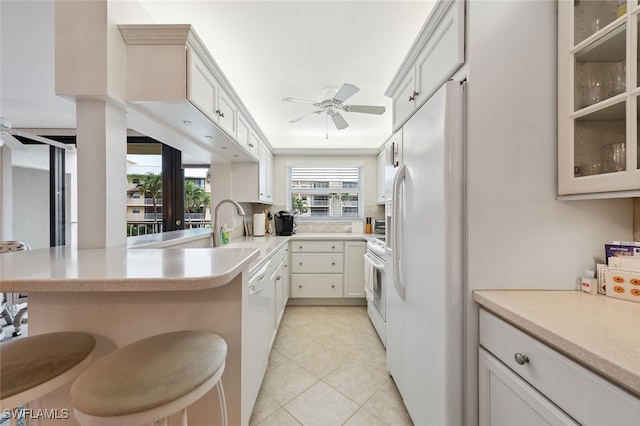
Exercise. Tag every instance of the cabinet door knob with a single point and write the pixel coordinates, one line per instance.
(333, 263)
(299, 286)
(413, 96)
(300, 263)
(220, 113)
(521, 359)
(333, 286)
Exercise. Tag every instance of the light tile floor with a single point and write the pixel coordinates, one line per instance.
(328, 367)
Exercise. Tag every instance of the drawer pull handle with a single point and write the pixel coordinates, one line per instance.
(333, 263)
(300, 263)
(299, 286)
(333, 286)
(521, 359)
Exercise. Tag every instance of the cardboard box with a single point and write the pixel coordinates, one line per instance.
(621, 249)
(627, 263)
(622, 284)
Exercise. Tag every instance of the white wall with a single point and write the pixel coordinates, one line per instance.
(31, 206)
(518, 234)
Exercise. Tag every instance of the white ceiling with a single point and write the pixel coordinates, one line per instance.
(266, 49)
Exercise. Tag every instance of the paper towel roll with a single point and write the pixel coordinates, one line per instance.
(258, 225)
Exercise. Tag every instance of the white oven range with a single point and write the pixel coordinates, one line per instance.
(375, 285)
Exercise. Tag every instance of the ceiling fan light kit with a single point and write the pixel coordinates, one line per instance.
(331, 103)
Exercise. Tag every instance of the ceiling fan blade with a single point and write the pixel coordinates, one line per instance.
(346, 91)
(367, 109)
(43, 140)
(12, 142)
(305, 116)
(339, 121)
(299, 101)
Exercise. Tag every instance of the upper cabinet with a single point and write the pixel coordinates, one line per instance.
(380, 182)
(434, 57)
(598, 98)
(172, 79)
(253, 183)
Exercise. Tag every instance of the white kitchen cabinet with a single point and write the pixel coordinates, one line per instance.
(317, 269)
(278, 283)
(227, 113)
(506, 399)
(206, 93)
(380, 183)
(522, 379)
(266, 175)
(286, 273)
(354, 268)
(246, 137)
(173, 81)
(598, 98)
(435, 56)
(252, 182)
(317, 263)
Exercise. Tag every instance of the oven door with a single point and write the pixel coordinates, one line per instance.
(374, 283)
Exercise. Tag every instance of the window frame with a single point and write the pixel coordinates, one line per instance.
(359, 191)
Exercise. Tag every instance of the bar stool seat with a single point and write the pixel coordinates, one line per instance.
(31, 367)
(150, 379)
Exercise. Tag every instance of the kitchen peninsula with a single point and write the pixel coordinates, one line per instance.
(122, 295)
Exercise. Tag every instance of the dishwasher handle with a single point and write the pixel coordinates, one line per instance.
(256, 281)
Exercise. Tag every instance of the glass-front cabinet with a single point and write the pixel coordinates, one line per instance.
(598, 97)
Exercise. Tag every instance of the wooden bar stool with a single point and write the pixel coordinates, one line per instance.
(149, 380)
(31, 367)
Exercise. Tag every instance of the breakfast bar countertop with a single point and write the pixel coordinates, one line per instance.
(599, 332)
(119, 269)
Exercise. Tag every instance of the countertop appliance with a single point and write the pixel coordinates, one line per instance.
(284, 223)
(424, 248)
(375, 289)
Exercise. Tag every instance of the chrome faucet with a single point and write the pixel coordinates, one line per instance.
(216, 224)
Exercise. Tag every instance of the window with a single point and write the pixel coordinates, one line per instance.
(331, 193)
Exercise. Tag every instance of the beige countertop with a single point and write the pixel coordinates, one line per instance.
(267, 246)
(345, 236)
(118, 269)
(599, 332)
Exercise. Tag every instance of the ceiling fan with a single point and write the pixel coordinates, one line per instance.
(9, 137)
(331, 102)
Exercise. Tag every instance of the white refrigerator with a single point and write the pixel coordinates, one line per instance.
(425, 261)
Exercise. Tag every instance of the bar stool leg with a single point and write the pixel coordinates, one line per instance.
(184, 417)
(223, 403)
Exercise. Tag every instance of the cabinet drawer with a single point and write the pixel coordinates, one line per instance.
(586, 397)
(505, 399)
(316, 285)
(316, 246)
(321, 263)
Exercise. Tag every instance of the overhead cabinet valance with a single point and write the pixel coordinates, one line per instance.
(172, 77)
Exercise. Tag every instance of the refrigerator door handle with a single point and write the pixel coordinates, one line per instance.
(396, 237)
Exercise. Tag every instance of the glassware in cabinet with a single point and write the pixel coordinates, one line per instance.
(600, 69)
(590, 17)
(599, 138)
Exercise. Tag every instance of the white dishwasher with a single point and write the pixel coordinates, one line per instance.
(260, 326)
